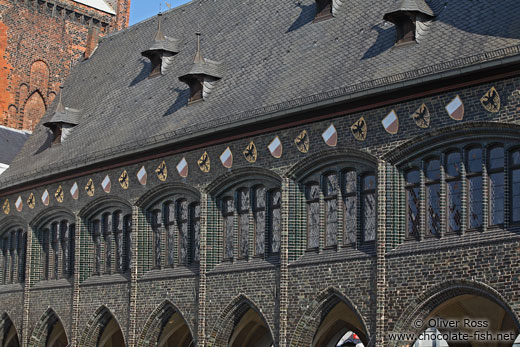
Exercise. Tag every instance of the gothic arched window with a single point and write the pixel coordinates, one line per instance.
(475, 189)
(369, 205)
(331, 193)
(251, 215)
(454, 192)
(313, 216)
(111, 234)
(56, 238)
(350, 206)
(515, 186)
(175, 224)
(413, 203)
(13, 245)
(496, 163)
(433, 192)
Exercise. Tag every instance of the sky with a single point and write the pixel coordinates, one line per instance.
(142, 9)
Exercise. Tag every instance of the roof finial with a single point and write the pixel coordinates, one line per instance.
(198, 57)
(61, 107)
(159, 36)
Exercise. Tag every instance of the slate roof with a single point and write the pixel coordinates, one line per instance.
(11, 141)
(275, 60)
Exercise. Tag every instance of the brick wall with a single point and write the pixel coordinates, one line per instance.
(39, 42)
(385, 284)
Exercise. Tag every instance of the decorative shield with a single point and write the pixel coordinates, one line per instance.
(204, 163)
(250, 153)
(31, 201)
(421, 116)
(74, 191)
(106, 184)
(19, 204)
(302, 142)
(124, 180)
(491, 100)
(226, 158)
(90, 187)
(391, 123)
(142, 176)
(456, 108)
(276, 148)
(330, 136)
(59, 194)
(162, 172)
(359, 129)
(45, 197)
(182, 168)
(6, 207)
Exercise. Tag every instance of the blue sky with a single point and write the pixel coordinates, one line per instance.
(142, 9)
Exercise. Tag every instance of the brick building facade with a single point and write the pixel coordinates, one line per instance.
(327, 173)
(39, 43)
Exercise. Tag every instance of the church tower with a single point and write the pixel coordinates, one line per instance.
(40, 40)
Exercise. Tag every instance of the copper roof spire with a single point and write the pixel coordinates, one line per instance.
(198, 56)
(159, 36)
(60, 108)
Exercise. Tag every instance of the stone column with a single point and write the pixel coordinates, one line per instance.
(133, 228)
(78, 231)
(201, 333)
(24, 331)
(284, 262)
(381, 260)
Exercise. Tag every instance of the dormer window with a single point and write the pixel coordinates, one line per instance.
(405, 29)
(323, 10)
(405, 16)
(162, 51)
(202, 77)
(62, 122)
(196, 89)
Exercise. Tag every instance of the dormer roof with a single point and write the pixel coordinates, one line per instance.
(429, 8)
(203, 66)
(63, 115)
(162, 43)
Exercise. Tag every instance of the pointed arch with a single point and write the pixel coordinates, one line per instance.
(102, 326)
(8, 333)
(314, 325)
(421, 307)
(52, 213)
(223, 332)
(103, 203)
(49, 331)
(155, 332)
(448, 136)
(163, 191)
(327, 158)
(236, 177)
(12, 222)
(34, 110)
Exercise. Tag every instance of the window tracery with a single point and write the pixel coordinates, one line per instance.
(251, 214)
(111, 232)
(175, 224)
(57, 245)
(475, 179)
(13, 245)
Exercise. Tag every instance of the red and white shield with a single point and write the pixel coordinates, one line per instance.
(227, 158)
(330, 136)
(456, 108)
(142, 176)
(391, 123)
(45, 198)
(106, 184)
(74, 191)
(182, 168)
(276, 148)
(19, 204)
